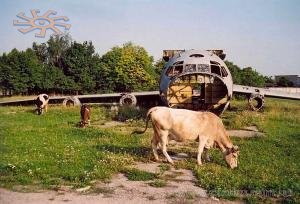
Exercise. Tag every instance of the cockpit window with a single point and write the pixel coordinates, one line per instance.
(196, 55)
(215, 69)
(190, 68)
(214, 62)
(178, 63)
(174, 70)
(224, 72)
(203, 68)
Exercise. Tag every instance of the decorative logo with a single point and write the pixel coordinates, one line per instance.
(41, 23)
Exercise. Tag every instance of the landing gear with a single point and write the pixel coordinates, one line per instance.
(256, 102)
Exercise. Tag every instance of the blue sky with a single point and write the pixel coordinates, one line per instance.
(258, 33)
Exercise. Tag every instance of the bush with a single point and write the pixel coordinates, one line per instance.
(126, 113)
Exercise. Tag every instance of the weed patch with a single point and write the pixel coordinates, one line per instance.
(139, 175)
(130, 113)
(158, 183)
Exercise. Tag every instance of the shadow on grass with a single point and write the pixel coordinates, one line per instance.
(146, 153)
(33, 111)
(76, 124)
(233, 108)
(141, 151)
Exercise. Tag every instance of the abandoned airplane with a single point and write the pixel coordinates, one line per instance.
(191, 79)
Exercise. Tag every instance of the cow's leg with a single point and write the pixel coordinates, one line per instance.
(46, 108)
(155, 142)
(164, 141)
(202, 142)
(154, 149)
(205, 152)
(221, 147)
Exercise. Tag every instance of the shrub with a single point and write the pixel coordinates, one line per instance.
(126, 113)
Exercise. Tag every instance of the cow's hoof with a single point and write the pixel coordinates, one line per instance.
(158, 160)
(171, 162)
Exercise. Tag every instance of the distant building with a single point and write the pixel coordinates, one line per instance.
(295, 79)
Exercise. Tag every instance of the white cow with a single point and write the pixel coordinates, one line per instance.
(41, 103)
(181, 125)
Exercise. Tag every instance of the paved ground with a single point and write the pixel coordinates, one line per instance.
(246, 132)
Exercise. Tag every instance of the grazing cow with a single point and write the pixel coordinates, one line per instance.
(41, 103)
(85, 112)
(181, 125)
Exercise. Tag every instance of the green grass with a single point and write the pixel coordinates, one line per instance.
(130, 113)
(164, 167)
(267, 166)
(158, 183)
(134, 174)
(49, 150)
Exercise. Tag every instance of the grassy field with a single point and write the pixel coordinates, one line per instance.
(50, 150)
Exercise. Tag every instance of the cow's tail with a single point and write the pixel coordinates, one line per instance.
(147, 121)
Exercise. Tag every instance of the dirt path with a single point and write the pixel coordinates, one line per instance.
(246, 132)
(179, 188)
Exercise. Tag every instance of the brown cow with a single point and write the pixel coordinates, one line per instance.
(181, 125)
(85, 112)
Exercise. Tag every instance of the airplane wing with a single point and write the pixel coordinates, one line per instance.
(110, 98)
(152, 97)
(265, 92)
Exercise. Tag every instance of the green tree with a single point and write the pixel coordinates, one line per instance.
(235, 71)
(284, 82)
(159, 66)
(82, 64)
(34, 71)
(58, 44)
(128, 68)
(246, 76)
(41, 51)
(107, 77)
(250, 77)
(18, 71)
(6, 83)
(269, 80)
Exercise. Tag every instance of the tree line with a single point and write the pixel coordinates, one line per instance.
(64, 66)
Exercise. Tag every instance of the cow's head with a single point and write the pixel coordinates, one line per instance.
(39, 110)
(39, 106)
(82, 124)
(231, 156)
